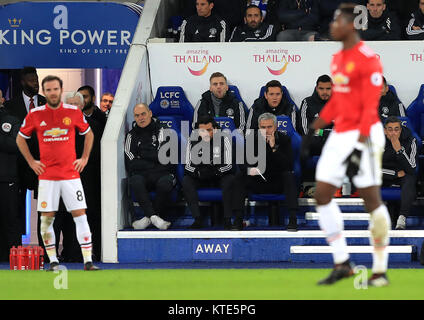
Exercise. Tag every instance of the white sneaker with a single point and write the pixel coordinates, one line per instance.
(401, 223)
(142, 223)
(159, 223)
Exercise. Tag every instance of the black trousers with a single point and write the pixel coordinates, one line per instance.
(316, 146)
(10, 222)
(407, 195)
(191, 185)
(308, 174)
(282, 183)
(160, 183)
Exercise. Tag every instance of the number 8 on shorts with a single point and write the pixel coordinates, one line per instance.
(50, 191)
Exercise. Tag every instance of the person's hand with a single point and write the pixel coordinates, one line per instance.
(416, 28)
(80, 164)
(270, 139)
(252, 171)
(38, 167)
(353, 161)
(401, 174)
(255, 172)
(395, 143)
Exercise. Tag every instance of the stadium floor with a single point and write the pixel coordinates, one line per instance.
(224, 265)
(204, 284)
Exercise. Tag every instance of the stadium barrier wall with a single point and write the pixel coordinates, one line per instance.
(134, 87)
(296, 65)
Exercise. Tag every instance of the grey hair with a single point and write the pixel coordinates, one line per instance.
(267, 116)
(73, 94)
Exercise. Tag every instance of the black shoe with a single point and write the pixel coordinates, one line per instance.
(197, 224)
(54, 266)
(378, 280)
(238, 224)
(292, 227)
(340, 271)
(89, 266)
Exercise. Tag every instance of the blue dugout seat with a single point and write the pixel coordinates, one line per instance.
(408, 123)
(236, 92)
(392, 89)
(285, 125)
(415, 112)
(172, 101)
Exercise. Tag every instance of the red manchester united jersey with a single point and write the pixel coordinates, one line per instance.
(55, 130)
(357, 83)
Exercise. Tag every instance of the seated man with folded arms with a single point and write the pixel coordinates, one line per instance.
(145, 171)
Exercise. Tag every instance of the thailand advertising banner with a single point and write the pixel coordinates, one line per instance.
(66, 34)
(297, 65)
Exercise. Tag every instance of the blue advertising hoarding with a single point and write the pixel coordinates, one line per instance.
(66, 34)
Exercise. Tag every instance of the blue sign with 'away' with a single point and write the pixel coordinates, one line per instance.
(212, 249)
(66, 34)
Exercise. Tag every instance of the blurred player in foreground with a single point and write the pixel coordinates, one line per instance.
(354, 148)
(58, 169)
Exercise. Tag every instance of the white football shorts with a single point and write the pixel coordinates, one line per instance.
(50, 191)
(339, 146)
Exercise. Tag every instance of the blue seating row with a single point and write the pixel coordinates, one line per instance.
(171, 107)
(172, 101)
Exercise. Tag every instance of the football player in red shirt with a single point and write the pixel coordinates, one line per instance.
(354, 148)
(58, 169)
